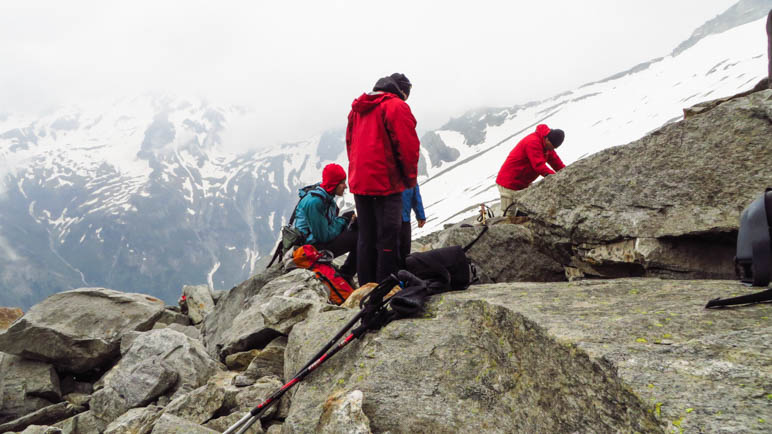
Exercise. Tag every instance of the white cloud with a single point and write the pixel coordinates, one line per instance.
(299, 64)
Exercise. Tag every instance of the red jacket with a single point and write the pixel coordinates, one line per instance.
(528, 160)
(382, 145)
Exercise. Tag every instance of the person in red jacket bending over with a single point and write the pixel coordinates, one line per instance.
(528, 160)
(382, 147)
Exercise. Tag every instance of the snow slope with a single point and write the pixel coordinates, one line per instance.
(595, 116)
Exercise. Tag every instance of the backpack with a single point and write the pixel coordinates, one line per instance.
(446, 268)
(443, 269)
(753, 261)
(320, 262)
(290, 236)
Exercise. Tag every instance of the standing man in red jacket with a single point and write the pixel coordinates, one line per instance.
(382, 147)
(528, 160)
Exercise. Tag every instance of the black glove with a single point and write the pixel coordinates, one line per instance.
(348, 214)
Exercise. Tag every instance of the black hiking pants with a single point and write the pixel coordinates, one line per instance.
(345, 242)
(380, 223)
(405, 236)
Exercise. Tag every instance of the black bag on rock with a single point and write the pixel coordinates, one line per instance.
(446, 268)
(754, 251)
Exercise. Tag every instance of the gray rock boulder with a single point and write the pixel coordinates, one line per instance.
(44, 416)
(172, 316)
(343, 413)
(240, 361)
(300, 283)
(223, 423)
(263, 321)
(273, 311)
(26, 386)
(199, 405)
(217, 295)
(82, 423)
(228, 307)
(169, 424)
(189, 331)
(131, 385)
(628, 355)
(155, 362)
(665, 205)
(248, 397)
(269, 360)
(185, 355)
(80, 329)
(199, 302)
(135, 421)
(41, 429)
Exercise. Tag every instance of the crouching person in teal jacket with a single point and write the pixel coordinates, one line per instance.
(317, 217)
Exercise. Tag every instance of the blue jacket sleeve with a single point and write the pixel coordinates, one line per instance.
(418, 205)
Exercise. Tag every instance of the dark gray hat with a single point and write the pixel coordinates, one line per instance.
(556, 137)
(396, 83)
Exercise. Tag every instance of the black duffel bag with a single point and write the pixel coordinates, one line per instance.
(444, 269)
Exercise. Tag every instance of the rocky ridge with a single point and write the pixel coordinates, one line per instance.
(541, 346)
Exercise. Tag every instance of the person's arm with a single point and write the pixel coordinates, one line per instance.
(418, 207)
(535, 154)
(401, 125)
(555, 161)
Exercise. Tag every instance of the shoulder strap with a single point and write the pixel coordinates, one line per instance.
(276, 254)
(292, 217)
(758, 297)
(469, 246)
(327, 281)
(327, 200)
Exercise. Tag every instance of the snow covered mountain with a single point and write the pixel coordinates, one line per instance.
(139, 194)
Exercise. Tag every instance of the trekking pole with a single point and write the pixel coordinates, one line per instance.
(320, 357)
(253, 415)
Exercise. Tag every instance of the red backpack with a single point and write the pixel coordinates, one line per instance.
(320, 262)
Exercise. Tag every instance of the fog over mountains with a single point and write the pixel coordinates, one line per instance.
(139, 195)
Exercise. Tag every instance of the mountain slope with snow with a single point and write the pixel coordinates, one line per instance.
(595, 116)
(139, 196)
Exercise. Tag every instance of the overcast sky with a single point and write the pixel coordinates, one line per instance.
(299, 64)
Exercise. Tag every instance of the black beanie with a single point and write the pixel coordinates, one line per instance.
(396, 83)
(556, 137)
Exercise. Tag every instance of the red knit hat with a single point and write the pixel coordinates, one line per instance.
(332, 175)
